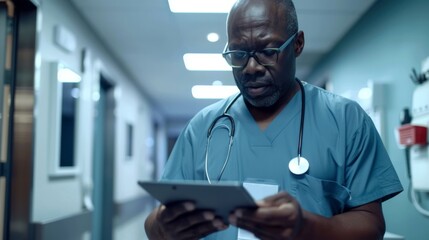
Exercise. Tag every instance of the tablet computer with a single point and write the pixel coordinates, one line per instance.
(222, 197)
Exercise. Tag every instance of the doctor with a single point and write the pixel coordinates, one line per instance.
(340, 172)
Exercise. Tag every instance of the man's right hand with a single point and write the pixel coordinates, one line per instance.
(181, 221)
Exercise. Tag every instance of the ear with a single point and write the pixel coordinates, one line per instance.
(299, 43)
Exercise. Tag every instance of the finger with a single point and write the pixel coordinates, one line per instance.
(273, 233)
(284, 215)
(172, 211)
(201, 230)
(285, 220)
(283, 211)
(263, 231)
(276, 199)
(189, 220)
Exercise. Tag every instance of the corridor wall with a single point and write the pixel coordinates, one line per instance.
(56, 197)
(388, 41)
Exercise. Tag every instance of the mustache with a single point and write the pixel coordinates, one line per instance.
(254, 82)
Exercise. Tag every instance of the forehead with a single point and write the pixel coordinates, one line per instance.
(250, 18)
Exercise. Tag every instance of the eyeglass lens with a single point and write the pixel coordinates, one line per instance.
(265, 57)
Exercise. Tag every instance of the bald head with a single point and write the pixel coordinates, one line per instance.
(280, 11)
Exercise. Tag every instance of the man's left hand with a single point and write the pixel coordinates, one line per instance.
(278, 217)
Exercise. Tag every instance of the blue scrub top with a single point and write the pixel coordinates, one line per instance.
(349, 165)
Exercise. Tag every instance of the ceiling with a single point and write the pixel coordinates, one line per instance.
(149, 41)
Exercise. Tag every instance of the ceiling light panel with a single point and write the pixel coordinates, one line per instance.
(65, 74)
(213, 91)
(200, 6)
(213, 37)
(205, 62)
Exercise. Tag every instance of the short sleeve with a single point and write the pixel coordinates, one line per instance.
(370, 174)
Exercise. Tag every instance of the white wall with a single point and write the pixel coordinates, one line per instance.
(59, 197)
(129, 170)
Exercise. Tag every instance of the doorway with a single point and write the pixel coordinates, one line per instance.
(3, 134)
(103, 165)
(18, 20)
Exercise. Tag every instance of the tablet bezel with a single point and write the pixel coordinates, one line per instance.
(222, 197)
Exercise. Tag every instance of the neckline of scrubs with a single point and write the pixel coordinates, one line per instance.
(280, 122)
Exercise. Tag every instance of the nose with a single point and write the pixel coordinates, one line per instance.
(253, 66)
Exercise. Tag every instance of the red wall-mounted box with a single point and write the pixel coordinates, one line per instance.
(412, 135)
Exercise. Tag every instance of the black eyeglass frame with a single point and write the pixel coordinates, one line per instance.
(247, 54)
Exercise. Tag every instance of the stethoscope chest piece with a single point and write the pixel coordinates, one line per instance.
(299, 165)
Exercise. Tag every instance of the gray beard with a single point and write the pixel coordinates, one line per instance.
(265, 102)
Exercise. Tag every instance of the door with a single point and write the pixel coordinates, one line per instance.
(18, 20)
(3, 129)
(103, 165)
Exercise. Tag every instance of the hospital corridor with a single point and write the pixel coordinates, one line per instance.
(97, 96)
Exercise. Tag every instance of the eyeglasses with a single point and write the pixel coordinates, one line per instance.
(265, 57)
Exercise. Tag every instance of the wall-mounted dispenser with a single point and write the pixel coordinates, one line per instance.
(413, 136)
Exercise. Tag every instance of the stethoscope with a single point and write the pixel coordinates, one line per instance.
(297, 165)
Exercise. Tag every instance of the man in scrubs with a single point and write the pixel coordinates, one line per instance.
(339, 196)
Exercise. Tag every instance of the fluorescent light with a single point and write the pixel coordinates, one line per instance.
(67, 75)
(365, 93)
(200, 6)
(213, 92)
(205, 62)
(213, 37)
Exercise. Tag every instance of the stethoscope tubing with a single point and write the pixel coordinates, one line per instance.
(231, 131)
(301, 124)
